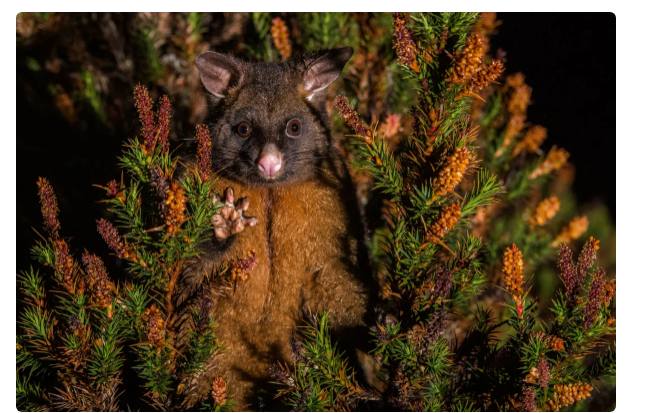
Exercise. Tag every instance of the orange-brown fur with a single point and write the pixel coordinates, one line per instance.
(307, 256)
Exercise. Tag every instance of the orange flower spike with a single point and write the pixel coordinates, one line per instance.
(452, 172)
(546, 210)
(609, 291)
(175, 206)
(513, 275)
(531, 141)
(154, 325)
(219, 391)
(575, 229)
(554, 342)
(555, 160)
(468, 61)
(281, 38)
(449, 217)
(64, 265)
(567, 394)
(101, 285)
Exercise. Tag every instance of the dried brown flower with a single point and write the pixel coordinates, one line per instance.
(543, 370)
(112, 188)
(352, 118)
(436, 326)
(567, 394)
(204, 151)
(111, 236)
(48, 207)
(531, 141)
(174, 208)
(609, 291)
(568, 273)
(449, 217)
(513, 271)
(452, 172)
(597, 296)
(101, 286)
(575, 229)
(528, 400)
(163, 122)
(205, 305)
(144, 106)
(281, 38)
(219, 391)
(296, 349)
(555, 160)
(160, 184)
(545, 211)
(240, 270)
(554, 342)
(64, 264)
(280, 374)
(403, 43)
(154, 325)
(587, 256)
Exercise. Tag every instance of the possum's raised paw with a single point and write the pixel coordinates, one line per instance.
(230, 219)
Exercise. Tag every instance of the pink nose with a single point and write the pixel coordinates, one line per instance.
(269, 165)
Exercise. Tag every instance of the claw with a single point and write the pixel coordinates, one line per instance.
(229, 198)
(243, 204)
(221, 233)
(218, 220)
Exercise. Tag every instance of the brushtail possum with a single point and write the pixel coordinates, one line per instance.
(273, 151)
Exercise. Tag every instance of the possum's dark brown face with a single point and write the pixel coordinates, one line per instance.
(268, 123)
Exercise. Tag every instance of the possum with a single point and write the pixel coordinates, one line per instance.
(297, 208)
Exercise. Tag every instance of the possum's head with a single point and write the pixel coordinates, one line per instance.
(269, 124)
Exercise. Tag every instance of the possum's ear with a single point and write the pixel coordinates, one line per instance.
(323, 71)
(218, 72)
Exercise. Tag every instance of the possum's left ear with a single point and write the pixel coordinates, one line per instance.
(323, 71)
(219, 73)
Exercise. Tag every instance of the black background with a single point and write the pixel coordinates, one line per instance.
(568, 60)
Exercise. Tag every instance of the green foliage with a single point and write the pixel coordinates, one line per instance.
(88, 330)
(425, 279)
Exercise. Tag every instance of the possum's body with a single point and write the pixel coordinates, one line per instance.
(308, 244)
(308, 235)
(307, 256)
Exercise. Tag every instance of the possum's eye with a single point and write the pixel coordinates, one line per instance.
(244, 129)
(294, 128)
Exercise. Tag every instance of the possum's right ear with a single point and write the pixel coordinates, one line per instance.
(218, 72)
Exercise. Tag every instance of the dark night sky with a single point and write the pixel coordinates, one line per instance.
(569, 61)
